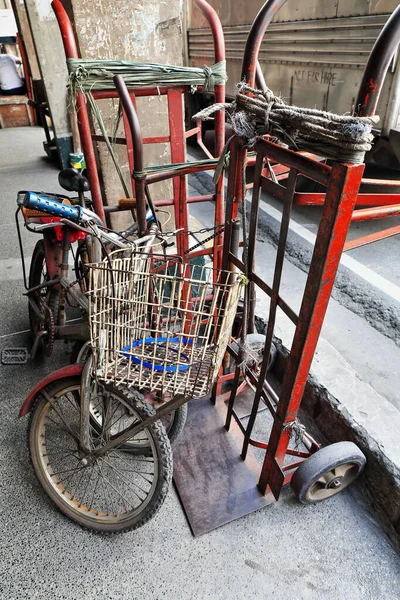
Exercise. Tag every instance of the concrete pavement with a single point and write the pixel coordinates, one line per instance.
(327, 551)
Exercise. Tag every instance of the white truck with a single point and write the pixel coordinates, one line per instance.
(313, 54)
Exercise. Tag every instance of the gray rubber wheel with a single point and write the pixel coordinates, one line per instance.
(174, 423)
(327, 472)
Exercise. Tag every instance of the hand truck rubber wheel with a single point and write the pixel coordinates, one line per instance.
(327, 472)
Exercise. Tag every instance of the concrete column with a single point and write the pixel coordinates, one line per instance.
(133, 30)
(51, 58)
(25, 31)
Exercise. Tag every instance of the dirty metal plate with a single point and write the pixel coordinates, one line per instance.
(214, 485)
(14, 356)
(244, 402)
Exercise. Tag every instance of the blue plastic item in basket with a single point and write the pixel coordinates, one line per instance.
(152, 340)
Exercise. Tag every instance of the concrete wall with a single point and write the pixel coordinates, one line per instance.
(145, 31)
(51, 58)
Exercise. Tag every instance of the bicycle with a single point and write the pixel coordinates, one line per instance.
(157, 324)
(47, 296)
(47, 293)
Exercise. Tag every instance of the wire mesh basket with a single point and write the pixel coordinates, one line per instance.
(160, 325)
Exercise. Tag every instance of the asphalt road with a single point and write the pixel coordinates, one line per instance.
(327, 551)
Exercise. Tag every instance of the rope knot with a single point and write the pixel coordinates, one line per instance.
(255, 113)
(298, 429)
(209, 79)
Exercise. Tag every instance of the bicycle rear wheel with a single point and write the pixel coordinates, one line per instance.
(121, 490)
(38, 275)
(174, 423)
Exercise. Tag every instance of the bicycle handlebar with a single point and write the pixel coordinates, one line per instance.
(52, 207)
(79, 217)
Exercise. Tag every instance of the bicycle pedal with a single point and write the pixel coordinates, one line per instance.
(14, 356)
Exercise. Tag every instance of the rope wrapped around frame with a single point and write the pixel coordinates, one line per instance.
(255, 113)
(87, 75)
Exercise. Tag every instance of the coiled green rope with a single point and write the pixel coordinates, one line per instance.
(89, 75)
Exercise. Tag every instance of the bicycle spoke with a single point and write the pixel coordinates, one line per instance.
(87, 485)
(105, 495)
(115, 489)
(126, 483)
(117, 456)
(72, 453)
(67, 428)
(94, 492)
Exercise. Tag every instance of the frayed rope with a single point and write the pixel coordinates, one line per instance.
(255, 113)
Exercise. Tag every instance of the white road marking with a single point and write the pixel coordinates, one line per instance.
(7, 335)
(374, 279)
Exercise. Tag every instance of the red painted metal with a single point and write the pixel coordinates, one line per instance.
(219, 123)
(372, 237)
(71, 51)
(176, 137)
(338, 208)
(378, 212)
(377, 66)
(342, 182)
(384, 201)
(64, 372)
(366, 103)
(255, 37)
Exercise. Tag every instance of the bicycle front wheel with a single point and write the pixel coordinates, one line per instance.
(121, 490)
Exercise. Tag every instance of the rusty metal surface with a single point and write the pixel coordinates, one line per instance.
(342, 183)
(134, 140)
(71, 51)
(214, 485)
(377, 66)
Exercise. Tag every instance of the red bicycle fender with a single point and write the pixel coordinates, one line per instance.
(68, 371)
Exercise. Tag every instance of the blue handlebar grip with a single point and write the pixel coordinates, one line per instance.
(52, 207)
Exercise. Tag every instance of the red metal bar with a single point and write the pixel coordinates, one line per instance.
(138, 91)
(336, 217)
(255, 37)
(219, 54)
(318, 199)
(377, 66)
(378, 212)
(178, 155)
(219, 123)
(372, 237)
(304, 164)
(71, 51)
(191, 132)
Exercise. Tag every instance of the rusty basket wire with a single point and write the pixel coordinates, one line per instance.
(158, 324)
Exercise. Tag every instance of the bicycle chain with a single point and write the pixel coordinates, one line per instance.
(48, 324)
(217, 231)
(169, 234)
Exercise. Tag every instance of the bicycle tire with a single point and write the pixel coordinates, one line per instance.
(37, 275)
(76, 507)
